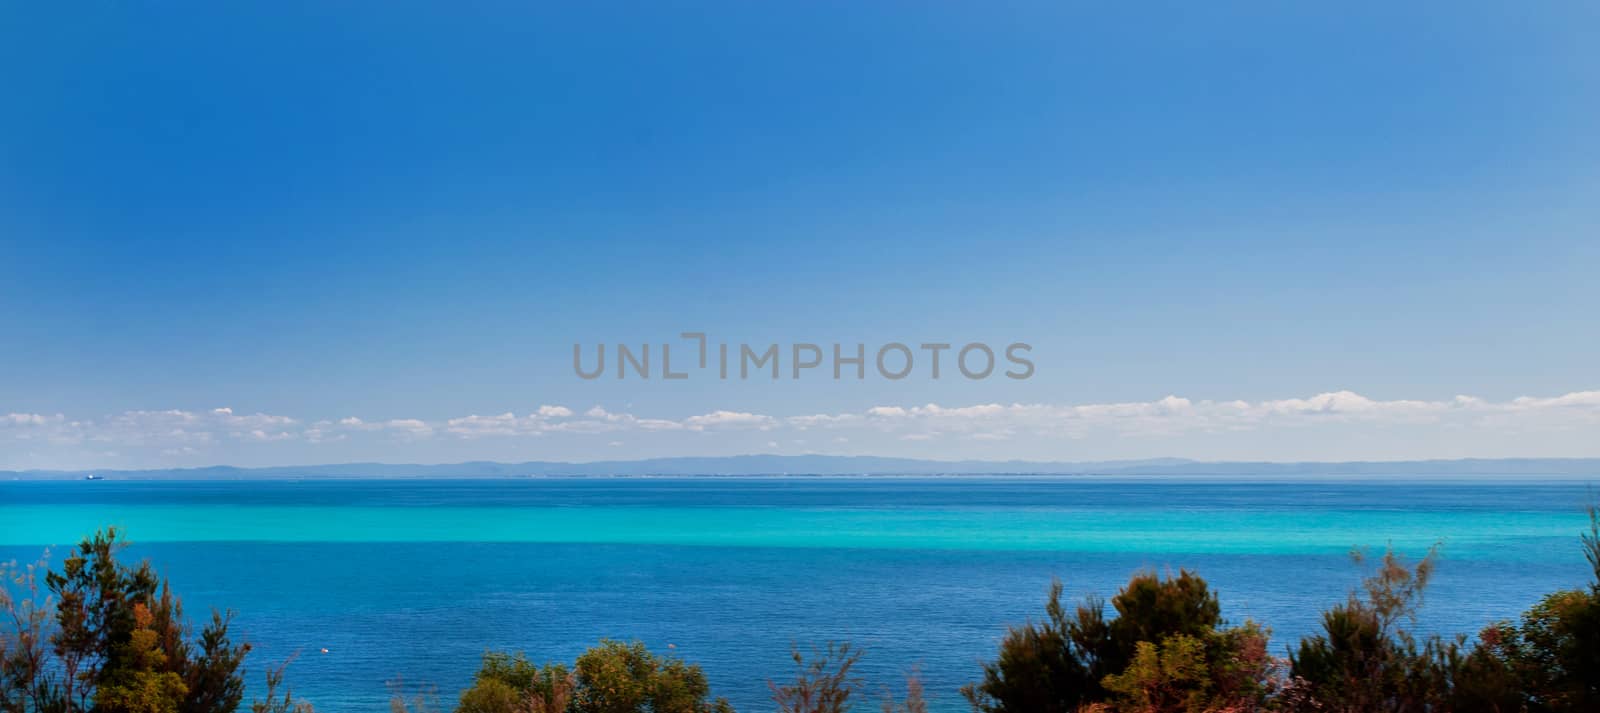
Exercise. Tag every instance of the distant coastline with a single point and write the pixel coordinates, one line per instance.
(823, 465)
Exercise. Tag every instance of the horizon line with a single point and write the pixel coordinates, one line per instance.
(1154, 462)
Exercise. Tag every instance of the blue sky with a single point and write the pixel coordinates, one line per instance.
(404, 214)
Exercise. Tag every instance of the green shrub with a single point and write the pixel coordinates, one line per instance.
(508, 683)
(626, 678)
(1553, 654)
(1172, 675)
(105, 636)
(1046, 667)
(612, 677)
(1151, 608)
(1364, 660)
(1166, 647)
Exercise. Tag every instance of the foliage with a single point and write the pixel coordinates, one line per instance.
(612, 677)
(1226, 670)
(822, 685)
(26, 682)
(1553, 655)
(1476, 680)
(1364, 660)
(1165, 647)
(914, 701)
(276, 703)
(108, 637)
(1169, 676)
(1150, 608)
(141, 682)
(491, 696)
(1048, 667)
(1556, 651)
(402, 699)
(512, 684)
(213, 676)
(827, 682)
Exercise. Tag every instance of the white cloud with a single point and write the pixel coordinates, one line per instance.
(1575, 400)
(475, 426)
(1174, 415)
(209, 433)
(734, 419)
(410, 426)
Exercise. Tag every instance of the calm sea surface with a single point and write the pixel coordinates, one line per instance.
(415, 579)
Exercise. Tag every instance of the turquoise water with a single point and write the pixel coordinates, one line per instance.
(1084, 529)
(413, 579)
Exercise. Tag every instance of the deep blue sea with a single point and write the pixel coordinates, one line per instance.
(413, 580)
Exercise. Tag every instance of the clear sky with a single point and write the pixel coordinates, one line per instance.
(274, 233)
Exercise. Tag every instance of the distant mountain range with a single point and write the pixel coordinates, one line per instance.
(842, 465)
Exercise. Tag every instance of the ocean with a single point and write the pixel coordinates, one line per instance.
(412, 580)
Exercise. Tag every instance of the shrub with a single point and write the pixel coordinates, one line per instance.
(612, 677)
(1364, 660)
(110, 637)
(507, 683)
(1165, 650)
(1168, 676)
(141, 682)
(626, 678)
(274, 702)
(24, 656)
(1046, 667)
(823, 685)
(1553, 654)
(1150, 608)
(826, 684)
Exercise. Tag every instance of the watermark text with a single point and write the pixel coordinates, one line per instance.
(698, 356)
